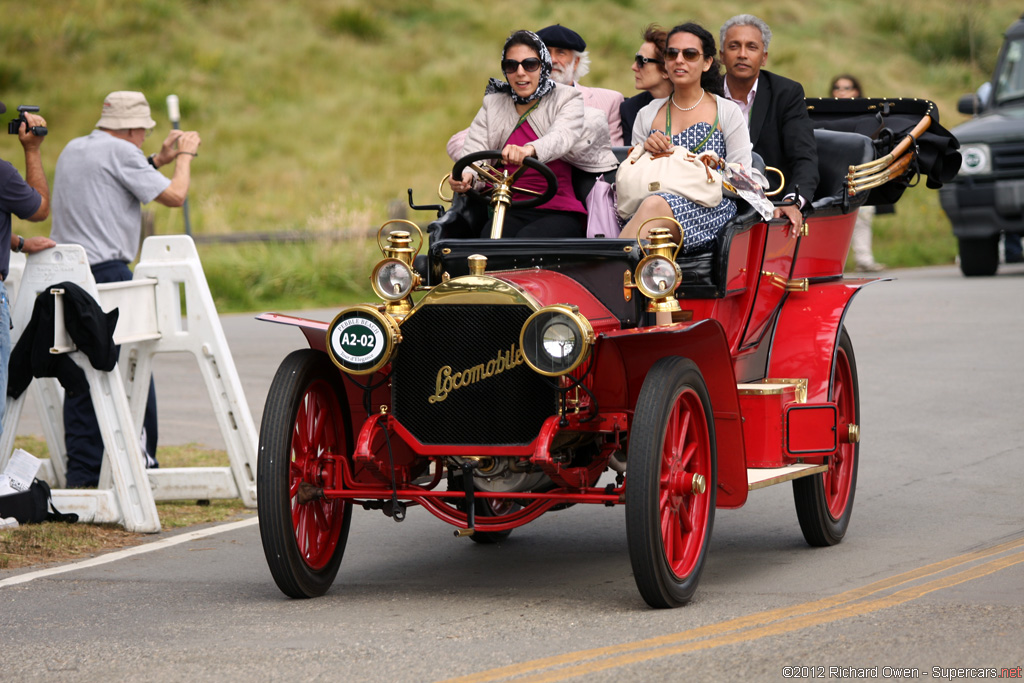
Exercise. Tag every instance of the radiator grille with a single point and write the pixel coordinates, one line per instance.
(1008, 157)
(504, 408)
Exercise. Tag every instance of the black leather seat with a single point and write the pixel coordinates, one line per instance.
(598, 264)
(704, 274)
(837, 151)
(589, 261)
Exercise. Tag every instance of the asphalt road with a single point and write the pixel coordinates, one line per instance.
(929, 577)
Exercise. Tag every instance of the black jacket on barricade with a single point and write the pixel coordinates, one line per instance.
(89, 327)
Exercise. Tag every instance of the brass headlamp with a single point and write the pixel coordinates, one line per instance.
(556, 339)
(394, 278)
(658, 275)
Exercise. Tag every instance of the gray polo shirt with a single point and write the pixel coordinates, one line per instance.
(98, 187)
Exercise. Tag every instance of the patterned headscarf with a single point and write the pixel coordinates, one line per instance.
(544, 86)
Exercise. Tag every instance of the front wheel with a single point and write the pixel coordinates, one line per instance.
(305, 418)
(824, 502)
(671, 481)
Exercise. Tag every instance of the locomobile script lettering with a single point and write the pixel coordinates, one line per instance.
(447, 381)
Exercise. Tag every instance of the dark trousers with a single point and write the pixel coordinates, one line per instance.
(1012, 251)
(82, 437)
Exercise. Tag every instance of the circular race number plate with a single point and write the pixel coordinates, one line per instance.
(360, 340)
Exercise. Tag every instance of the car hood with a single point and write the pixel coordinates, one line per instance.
(1002, 125)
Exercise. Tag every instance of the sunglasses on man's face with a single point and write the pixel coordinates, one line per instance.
(510, 66)
(642, 61)
(689, 54)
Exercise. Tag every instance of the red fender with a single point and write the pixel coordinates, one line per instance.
(807, 333)
(315, 331)
(705, 344)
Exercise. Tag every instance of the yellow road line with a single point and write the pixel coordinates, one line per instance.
(782, 627)
(760, 625)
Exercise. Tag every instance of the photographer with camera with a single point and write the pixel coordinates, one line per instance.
(27, 198)
(99, 185)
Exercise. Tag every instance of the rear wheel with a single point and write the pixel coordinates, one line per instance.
(670, 483)
(824, 502)
(493, 508)
(305, 418)
(979, 255)
(483, 507)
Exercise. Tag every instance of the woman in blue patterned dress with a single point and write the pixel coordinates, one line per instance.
(696, 116)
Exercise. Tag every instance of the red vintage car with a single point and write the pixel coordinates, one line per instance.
(499, 380)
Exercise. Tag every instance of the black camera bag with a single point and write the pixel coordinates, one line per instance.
(33, 506)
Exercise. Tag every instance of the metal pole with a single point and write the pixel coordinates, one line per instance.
(174, 113)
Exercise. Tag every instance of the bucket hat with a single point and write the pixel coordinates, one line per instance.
(125, 109)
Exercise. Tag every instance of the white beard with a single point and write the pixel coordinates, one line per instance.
(565, 77)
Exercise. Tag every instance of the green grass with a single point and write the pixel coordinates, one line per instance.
(908, 236)
(34, 544)
(316, 115)
(290, 276)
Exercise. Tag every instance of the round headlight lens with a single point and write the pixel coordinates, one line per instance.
(555, 340)
(977, 159)
(559, 339)
(392, 279)
(658, 277)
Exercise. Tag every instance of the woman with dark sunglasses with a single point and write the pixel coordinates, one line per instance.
(696, 116)
(529, 115)
(649, 75)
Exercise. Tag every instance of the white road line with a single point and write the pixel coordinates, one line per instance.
(129, 552)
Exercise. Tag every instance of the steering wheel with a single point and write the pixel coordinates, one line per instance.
(498, 179)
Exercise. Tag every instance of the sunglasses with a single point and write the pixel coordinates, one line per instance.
(642, 61)
(690, 54)
(510, 66)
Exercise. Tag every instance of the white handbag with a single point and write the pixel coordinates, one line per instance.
(678, 171)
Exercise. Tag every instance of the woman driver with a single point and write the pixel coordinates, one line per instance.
(532, 116)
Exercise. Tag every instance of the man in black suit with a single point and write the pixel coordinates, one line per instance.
(780, 128)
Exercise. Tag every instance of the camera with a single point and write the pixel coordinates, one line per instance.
(15, 124)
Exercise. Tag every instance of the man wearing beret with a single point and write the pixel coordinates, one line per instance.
(571, 63)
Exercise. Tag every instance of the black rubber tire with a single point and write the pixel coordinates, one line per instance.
(481, 508)
(484, 509)
(302, 375)
(979, 256)
(673, 384)
(821, 526)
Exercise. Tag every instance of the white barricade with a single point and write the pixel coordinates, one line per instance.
(167, 307)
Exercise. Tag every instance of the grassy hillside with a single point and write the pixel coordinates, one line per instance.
(315, 115)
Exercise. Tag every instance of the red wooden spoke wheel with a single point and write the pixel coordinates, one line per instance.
(670, 483)
(824, 502)
(304, 534)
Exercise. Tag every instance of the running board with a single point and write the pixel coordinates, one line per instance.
(759, 478)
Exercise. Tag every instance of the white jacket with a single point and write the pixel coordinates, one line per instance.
(563, 128)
